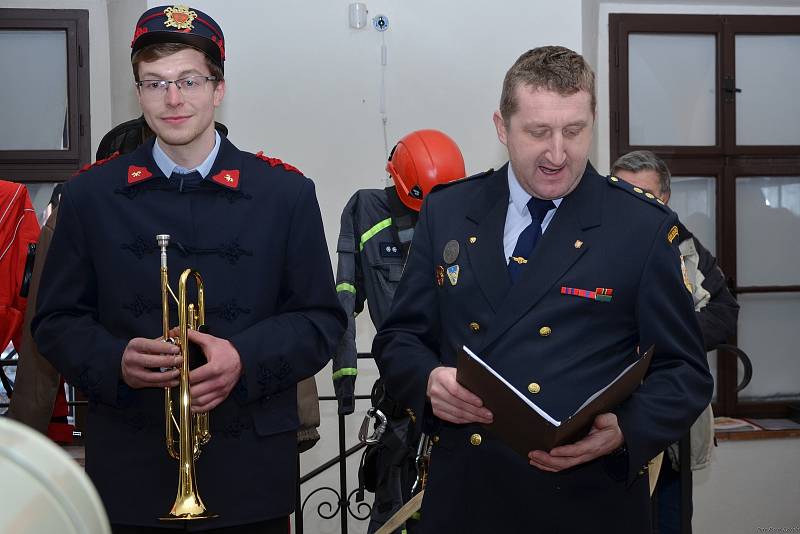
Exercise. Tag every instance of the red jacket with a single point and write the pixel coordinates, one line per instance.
(18, 229)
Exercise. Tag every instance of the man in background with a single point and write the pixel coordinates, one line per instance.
(716, 310)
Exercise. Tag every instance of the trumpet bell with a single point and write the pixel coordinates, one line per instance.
(188, 507)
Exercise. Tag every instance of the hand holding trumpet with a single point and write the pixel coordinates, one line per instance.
(142, 360)
(210, 383)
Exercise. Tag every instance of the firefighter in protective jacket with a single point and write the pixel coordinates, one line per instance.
(376, 230)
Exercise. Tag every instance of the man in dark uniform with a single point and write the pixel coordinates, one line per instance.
(251, 226)
(556, 276)
(717, 312)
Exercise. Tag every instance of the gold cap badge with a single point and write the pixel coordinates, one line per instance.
(180, 17)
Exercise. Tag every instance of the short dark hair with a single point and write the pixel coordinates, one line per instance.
(644, 160)
(157, 51)
(554, 68)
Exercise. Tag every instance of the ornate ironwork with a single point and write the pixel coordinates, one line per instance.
(358, 507)
(333, 512)
(337, 505)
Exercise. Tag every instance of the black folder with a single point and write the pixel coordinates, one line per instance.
(524, 426)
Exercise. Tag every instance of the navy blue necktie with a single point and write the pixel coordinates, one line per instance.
(527, 240)
(186, 180)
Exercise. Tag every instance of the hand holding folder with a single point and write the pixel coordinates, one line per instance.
(523, 425)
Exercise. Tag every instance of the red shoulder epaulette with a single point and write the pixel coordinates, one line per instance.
(274, 162)
(96, 163)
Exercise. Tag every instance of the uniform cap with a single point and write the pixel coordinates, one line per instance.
(183, 25)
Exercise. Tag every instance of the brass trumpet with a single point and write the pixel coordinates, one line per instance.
(193, 430)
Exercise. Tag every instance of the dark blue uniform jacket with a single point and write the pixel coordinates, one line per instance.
(254, 232)
(602, 236)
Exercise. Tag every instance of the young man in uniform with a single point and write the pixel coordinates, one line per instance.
(251, 226)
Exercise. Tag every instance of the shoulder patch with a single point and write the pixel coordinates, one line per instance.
(463, 180)
(672, 234)
(275, 162)
(646, 196)
(97, 163)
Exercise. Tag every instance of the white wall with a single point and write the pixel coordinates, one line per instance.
(100, 105)
(122, 17)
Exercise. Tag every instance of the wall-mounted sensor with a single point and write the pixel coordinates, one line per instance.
(358, 15)
(381, 23)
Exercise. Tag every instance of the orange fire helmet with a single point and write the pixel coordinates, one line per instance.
(422, 160)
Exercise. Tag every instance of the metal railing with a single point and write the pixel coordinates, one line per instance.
(342, 504)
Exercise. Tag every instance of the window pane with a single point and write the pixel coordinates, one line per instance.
(694, 200)
(767, 109)
(768, 230)
(34, 90)
(40, 194)
(712, 367)
(672, 89)
(767, 333)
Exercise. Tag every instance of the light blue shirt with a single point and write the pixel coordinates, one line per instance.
(518, 217)
(168, 166)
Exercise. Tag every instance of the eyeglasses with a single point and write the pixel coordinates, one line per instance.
(191, 85)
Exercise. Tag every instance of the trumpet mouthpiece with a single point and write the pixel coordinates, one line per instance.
(162, 240)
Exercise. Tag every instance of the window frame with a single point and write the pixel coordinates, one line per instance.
(750, 25)
(56, 165)
(725, 161)
(620, 27)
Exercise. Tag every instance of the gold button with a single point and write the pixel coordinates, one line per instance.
(614, 179)
(475, 439)
(475, 327)
(534, 388)
(472, 240)
(435, 439)
(545, 331)
(651, 196)
(660, 201)
(638, 190)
